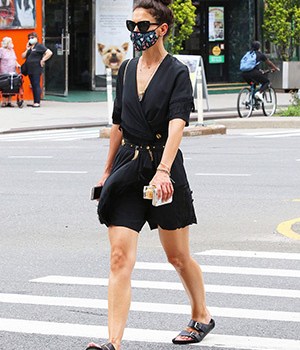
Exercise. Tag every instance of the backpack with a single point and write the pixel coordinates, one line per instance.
(248, 62)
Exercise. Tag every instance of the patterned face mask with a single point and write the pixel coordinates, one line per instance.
(142, 41)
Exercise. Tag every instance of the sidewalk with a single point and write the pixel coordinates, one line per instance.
(54, 115)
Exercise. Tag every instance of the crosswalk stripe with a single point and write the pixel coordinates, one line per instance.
(223, 269)
(144, 335)
(277, 136)
(266, 133)
(215, 174)
(50, 135)
(150, 307)
(53, 138)
(250, 254)
(60, 172)
(240, 290)
(30, 157)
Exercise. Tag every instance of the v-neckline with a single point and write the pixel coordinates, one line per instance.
(150, 81)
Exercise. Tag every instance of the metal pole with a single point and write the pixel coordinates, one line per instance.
(109, 95)
(199, 96)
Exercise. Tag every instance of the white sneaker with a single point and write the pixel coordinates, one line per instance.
(259, 96)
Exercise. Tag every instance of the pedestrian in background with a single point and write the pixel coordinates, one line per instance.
(153, 102)
(8, 64)
(36, 55)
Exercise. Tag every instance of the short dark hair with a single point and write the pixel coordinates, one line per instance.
(34, 34)
(158, 9)
(255, 45)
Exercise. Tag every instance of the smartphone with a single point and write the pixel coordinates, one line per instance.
(96, 192)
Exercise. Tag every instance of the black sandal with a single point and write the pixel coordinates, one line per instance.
(201, 330)
(107, 346)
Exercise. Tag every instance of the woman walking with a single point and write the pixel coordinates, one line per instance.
(152, 106)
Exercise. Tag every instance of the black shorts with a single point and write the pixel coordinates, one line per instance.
(131, 210)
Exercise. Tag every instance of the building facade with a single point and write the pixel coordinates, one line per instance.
(223, 32)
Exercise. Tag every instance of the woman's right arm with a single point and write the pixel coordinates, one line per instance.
(25, 52)
(114, 143)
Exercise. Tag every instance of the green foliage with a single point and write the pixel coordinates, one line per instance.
(282, 26)
(184, 13)
(294, 109)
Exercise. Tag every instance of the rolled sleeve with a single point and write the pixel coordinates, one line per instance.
(182, 100)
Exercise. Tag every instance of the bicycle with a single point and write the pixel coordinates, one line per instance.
(247, 102)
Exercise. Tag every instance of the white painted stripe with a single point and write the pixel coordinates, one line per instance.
(75, 138)
(60, 172)
(277, 136)
(297, 160)
(211, 288)
(213, 174)
(277, 132)
(250, 254)
(52, 138)
(46, 133)
(150, 307)
(144, 335)
(49, 136)
(30, 157)
(224, 269)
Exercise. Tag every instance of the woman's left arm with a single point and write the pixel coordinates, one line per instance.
(161, 179)
(48, 53)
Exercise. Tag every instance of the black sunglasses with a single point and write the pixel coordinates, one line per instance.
(143, 26)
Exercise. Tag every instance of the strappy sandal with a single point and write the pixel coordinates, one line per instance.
(107, 346)
(196, 336)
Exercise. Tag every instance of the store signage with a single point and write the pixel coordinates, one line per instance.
(113, 43)
(216, 59)
(216, 23)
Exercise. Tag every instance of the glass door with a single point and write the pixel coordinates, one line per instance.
(57, 39)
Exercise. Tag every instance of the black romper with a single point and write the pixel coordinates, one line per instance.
(145, 130)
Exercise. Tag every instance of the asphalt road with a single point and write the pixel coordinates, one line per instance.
(245, 185)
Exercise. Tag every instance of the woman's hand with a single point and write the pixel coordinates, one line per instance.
(103, 179)
(163, 185)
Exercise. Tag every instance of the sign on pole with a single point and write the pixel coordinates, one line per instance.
(194, 62)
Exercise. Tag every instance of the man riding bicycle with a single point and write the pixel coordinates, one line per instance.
(251, 71)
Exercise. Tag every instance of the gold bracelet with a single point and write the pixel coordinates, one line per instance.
(163, 171)
(165, 165)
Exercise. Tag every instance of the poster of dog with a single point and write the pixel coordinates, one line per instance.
(16, 14)
(113, 55)
(113, 44)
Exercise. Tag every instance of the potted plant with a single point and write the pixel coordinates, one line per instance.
(282, 29)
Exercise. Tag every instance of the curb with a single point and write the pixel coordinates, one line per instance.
(188, 131)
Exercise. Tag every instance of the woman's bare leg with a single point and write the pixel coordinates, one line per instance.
(123, 243)
(176, 246)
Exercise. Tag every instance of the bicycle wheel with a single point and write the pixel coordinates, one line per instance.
(244, 103)
(270, 104)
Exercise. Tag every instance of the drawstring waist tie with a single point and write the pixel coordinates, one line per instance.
(147, 147)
